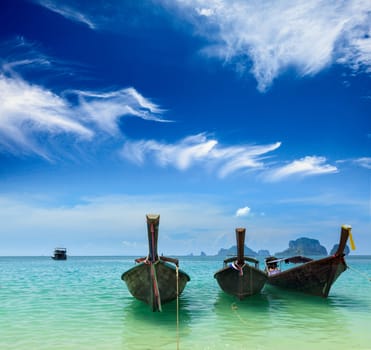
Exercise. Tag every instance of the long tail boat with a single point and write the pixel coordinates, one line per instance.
(313, 276)
(240, 275)
(156, 279)
(60, 254)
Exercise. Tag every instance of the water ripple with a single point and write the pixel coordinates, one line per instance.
(83, 304)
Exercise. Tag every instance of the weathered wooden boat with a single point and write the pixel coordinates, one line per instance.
(313, 276)
(240, 275)
(60, 254)
(157, 279)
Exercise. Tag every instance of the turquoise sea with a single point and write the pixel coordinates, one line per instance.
(82, 304)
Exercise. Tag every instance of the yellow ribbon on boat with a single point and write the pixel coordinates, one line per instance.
(351, 241)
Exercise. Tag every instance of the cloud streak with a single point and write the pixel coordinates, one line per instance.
(364, 162)
(105, 108)
(307, 166)
(199, 150)
(30, 112)
(68, 12)
(26, 110)
(262, 38)
(267, 37)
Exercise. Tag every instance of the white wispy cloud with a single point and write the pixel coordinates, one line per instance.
(198, 149)
(243, 211)
(17, 54)
(105, 108)
(69, 12)
(26, 110)
(364, 162)
(310, 165)
(263, 38)
(267, 37)
(30, 112)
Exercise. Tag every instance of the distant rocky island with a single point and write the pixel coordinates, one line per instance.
(301, 246)
(248, 252)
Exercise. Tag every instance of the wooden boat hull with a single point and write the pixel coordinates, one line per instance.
(142, 279)
(232, 282)
(155, 281)
(315, 277)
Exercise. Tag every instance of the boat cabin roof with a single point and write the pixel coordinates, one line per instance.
(294, 259)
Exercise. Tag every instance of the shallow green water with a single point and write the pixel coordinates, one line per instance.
(82, 303)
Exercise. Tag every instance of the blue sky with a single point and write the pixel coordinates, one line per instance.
(214, 114)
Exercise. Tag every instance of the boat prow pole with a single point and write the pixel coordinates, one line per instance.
(153, 221)
(240, 237)
(345, 233)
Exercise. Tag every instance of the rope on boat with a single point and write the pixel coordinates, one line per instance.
(359, 272)
(234, 308)
(153, 242)
(177, 306)
(234, 265)
(155, 285)
(153, 260)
